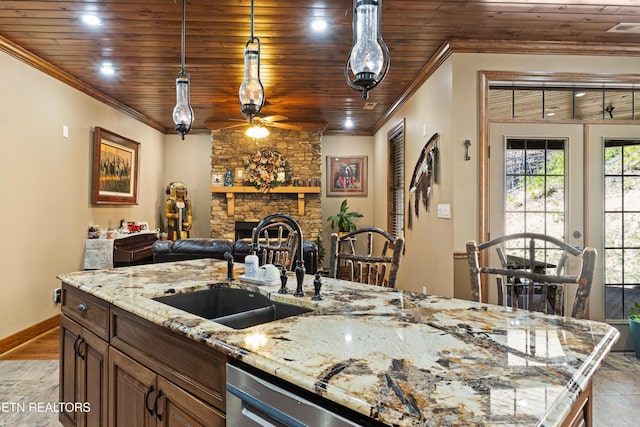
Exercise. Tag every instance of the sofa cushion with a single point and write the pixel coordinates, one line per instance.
(194, 248)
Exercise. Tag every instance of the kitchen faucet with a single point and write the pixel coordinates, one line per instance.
(299, 270)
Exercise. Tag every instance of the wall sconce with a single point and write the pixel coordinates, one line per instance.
(369, 57)
(182, 112)
(251, 90)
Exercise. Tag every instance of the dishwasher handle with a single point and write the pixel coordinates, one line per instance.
(249, 401)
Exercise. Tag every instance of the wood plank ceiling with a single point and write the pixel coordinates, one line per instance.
(302, 71)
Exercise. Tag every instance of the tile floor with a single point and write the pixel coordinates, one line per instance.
(34, 384)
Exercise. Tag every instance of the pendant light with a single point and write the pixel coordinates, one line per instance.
(182, 112)
(369, 57)
(251, 90)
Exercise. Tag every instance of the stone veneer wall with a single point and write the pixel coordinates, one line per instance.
(302, 149)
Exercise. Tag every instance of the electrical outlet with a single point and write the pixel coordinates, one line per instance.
(57, 295)
(424, 289)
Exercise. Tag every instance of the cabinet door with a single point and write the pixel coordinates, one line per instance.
(177, 408)
(132, 392)
(70, 368)
(94, 354)
(83, 375)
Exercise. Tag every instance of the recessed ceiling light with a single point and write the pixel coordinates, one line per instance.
(348, 123)
(319, 25)
(91, 19)
(107, 68)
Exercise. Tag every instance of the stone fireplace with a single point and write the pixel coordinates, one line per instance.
(239, 204)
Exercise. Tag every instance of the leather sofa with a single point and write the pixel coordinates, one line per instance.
(195, 248)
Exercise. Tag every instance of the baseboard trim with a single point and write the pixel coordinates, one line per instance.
(31, 332)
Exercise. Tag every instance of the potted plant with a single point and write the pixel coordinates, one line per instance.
(634, 327)
(344, 219)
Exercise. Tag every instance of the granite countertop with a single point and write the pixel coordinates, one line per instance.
(399, 357)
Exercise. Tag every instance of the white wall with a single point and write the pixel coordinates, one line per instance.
(46, 183)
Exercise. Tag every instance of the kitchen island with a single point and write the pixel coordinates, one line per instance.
(397, 357)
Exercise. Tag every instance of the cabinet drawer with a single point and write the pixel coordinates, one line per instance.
(191, 365)
(87, 310)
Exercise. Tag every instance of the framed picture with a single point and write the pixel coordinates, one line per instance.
(115, 169)
(346, 176)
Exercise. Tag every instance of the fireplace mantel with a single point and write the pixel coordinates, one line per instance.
(232, 191)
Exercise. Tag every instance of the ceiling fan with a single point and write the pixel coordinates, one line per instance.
(269, 121)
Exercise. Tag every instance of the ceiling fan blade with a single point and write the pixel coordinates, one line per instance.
(229, 126)
(286, 126)
(239, 120)
(275, 118)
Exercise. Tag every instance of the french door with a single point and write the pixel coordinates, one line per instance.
(578, 183)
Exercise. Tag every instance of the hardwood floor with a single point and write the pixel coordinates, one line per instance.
(43, 347)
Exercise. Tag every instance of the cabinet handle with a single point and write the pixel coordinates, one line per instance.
(82, 307)
(146, 400)
(155, 405)
(76, 346)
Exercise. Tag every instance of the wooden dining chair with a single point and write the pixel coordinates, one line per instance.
(374, 260)
(275, 241)
(532, 273)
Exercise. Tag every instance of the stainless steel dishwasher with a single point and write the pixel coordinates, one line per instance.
(256, 401)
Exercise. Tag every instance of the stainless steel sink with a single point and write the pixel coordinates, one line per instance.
(232, 307)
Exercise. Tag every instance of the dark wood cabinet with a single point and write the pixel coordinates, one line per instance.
(130, 372)
(83, 375)
(141, 398)
(133, 249)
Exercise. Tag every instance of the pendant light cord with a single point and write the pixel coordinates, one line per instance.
(252, 38)
(184, 15)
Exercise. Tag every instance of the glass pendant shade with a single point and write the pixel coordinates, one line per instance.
(182, 112)
(251, 90)
(369, 58)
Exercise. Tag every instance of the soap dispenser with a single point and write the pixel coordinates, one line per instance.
(251, 265)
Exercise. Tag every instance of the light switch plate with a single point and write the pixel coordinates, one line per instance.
(444, 211)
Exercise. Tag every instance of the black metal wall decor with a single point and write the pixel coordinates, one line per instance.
(425, 174)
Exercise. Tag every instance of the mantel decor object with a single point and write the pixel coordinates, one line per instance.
(266, 168)
(115, 169)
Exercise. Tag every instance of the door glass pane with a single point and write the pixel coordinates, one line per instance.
(535, 186)
(621, 162)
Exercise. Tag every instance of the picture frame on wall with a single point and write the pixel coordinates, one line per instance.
(115, 169)
(346, 176)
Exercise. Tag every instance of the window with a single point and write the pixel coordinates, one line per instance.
(395, 206)
(535, 191)
(621, 226)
